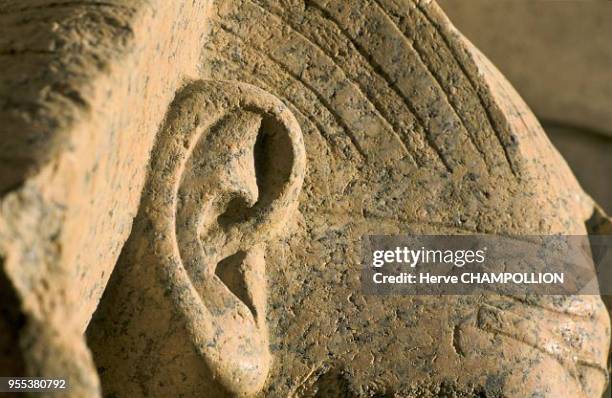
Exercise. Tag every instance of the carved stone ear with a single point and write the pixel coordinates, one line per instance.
(225, 176)
(242, 171)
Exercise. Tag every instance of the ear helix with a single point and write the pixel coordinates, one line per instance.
(241, 167)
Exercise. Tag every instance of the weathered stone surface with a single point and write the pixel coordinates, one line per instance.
(255, 142)
(83, 90)
(407, 128)
(556, 55)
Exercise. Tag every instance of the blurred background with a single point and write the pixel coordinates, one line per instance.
(558, 55)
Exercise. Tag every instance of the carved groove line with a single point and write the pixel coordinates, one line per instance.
(377, 71)
(307, 115)
(568, 365)
(494, 125)
(426, 63)
(264, 82)
(377, 68)
(566, 312)
(339, 120)
(380, 112)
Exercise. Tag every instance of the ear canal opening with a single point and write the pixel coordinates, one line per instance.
(273, 160)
